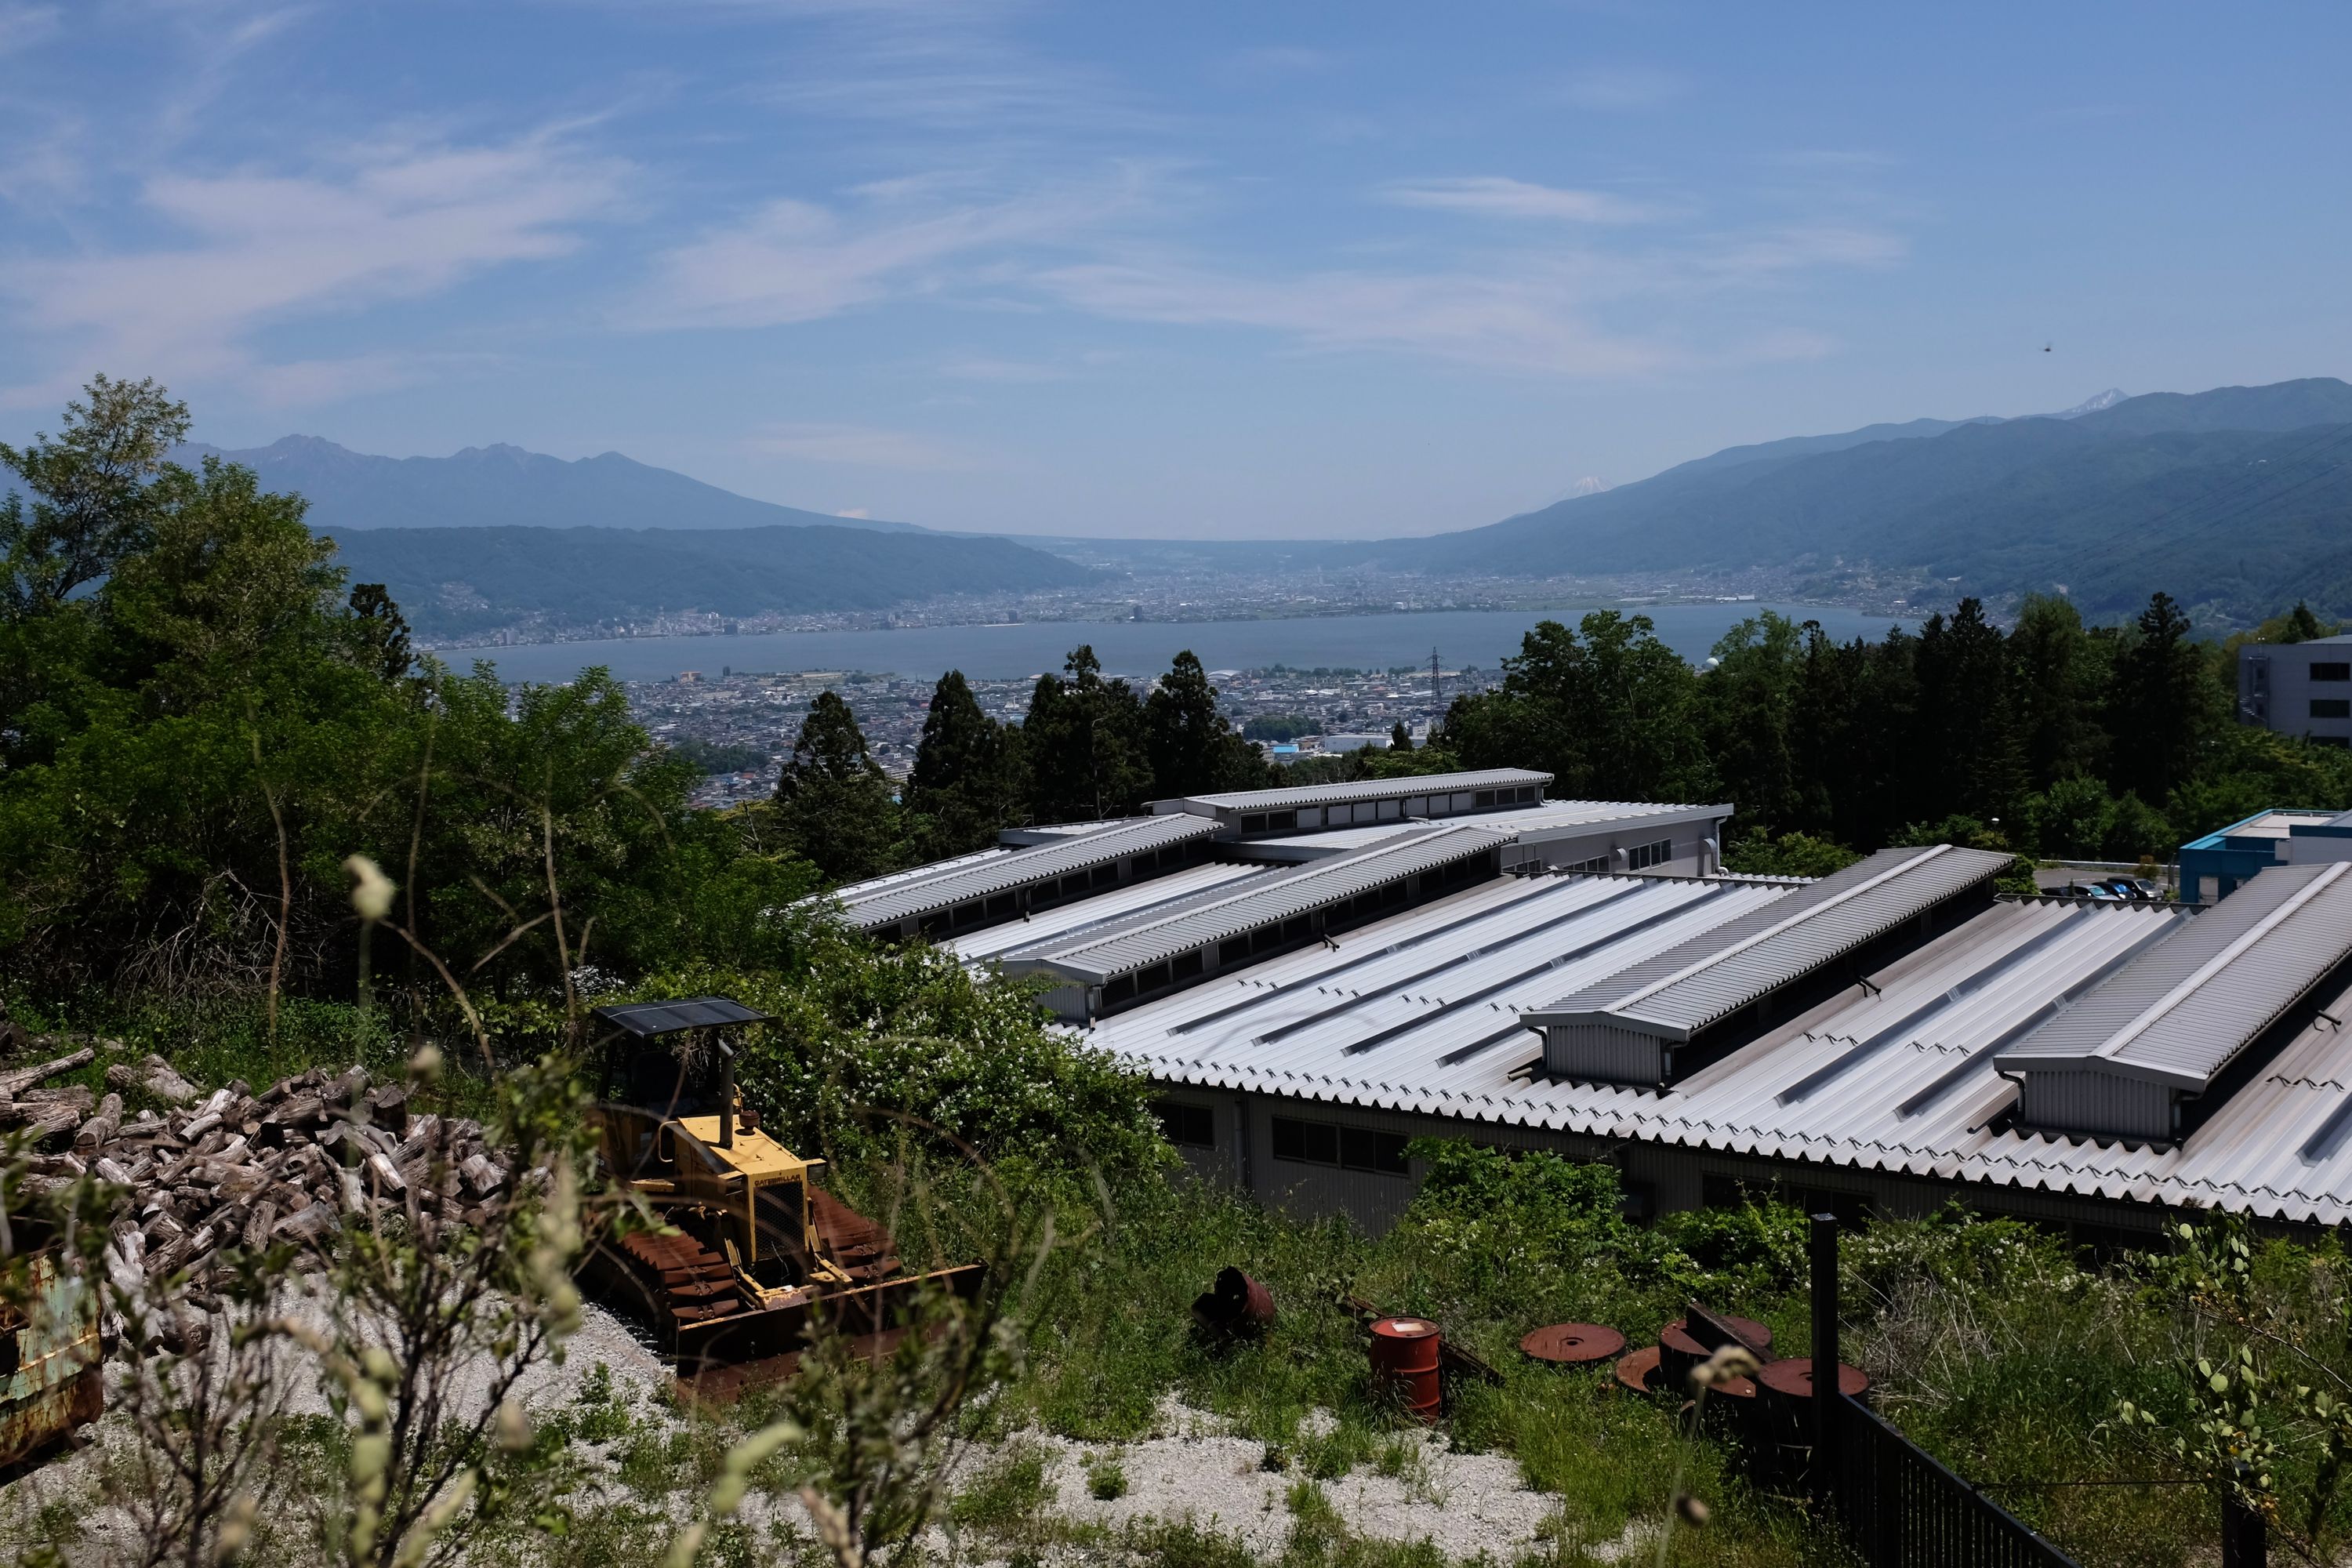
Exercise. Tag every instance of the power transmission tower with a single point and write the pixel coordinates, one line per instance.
(1436, 706)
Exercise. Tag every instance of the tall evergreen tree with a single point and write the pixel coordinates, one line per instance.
(2162, 704)
(965, 785)
(834, 805)
(2056, 673)
(1192, 748)
(1084, 742)
(1400, 738)
(1964, 686)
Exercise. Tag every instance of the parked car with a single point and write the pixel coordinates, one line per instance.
(2098, 891)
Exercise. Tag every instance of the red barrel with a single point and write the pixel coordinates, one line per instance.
(1404, 1353)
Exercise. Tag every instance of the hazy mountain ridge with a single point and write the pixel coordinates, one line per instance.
(2240, 496)
(504, 486)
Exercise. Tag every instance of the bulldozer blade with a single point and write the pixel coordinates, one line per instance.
(858, 1312)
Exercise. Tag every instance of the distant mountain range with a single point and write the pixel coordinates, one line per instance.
(502, 486)
(497, 538)
(2238, 499)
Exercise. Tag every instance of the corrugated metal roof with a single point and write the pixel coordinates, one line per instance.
(892, 899)
(1276, 897)
(1366, 789)
(2182, 1011)
(1550, 816)
(647, 1019)
(1713, 976)
(1155, 897)
(2280, 1149)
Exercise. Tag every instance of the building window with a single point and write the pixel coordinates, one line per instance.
(1595, 867)
(1347, 1148)
(1647, 855)
(2331, 706)
(2339, 671)
(1187, 1126)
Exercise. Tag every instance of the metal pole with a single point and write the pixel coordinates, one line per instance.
(726, 1095)
(2245, 1534)
(1823, 1250)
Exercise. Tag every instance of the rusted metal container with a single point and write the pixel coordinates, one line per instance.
(1573, 1344)
(1237, 1305)
(50, 1361)
(1404, 1354)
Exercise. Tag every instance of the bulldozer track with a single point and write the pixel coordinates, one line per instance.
(858, 1247)
(681, 1277)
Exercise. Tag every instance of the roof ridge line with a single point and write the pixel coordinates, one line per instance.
(2114, 1044)
(1774, 929)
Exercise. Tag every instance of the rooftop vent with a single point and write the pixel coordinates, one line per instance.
(1723, 986)
(2125, 1061)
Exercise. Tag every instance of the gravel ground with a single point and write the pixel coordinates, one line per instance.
(1192, 1467)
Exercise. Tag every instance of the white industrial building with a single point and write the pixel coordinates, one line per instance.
(1881, 1039)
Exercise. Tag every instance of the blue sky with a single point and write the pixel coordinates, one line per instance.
(1231, 270)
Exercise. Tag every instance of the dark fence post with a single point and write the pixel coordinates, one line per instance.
(1827, 1428)
(2245, 1534)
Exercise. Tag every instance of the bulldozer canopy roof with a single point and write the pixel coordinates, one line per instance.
(645, 1020)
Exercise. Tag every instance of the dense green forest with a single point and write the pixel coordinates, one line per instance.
(2052, 737)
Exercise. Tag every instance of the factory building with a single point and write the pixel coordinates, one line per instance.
(2298, 689)
(1880, 1041)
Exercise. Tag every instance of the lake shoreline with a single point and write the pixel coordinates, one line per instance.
(1392, 639)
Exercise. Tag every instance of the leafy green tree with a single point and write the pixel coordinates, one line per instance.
(1608, 712)
(1085, 741)
(1192, 748)
(834, 805)
(1790, 855)
(966, 783)
(93, 505)
(1400, 738)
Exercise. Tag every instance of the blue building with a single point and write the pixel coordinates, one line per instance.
(2214, 867)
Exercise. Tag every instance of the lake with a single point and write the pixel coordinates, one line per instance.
(1478, 638)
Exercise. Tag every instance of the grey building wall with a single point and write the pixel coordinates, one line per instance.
(2298, 689)
(1658, 1178)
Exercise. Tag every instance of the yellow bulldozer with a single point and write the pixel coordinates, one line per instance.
(757, 1257)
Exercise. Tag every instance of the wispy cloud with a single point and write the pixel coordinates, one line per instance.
(797, 261)
(258, 247)
(867, 446)
(1493, 195)
(23, 26)
(1618, 88)
(1533, 319)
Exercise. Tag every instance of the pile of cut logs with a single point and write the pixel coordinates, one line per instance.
(235, 1168)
